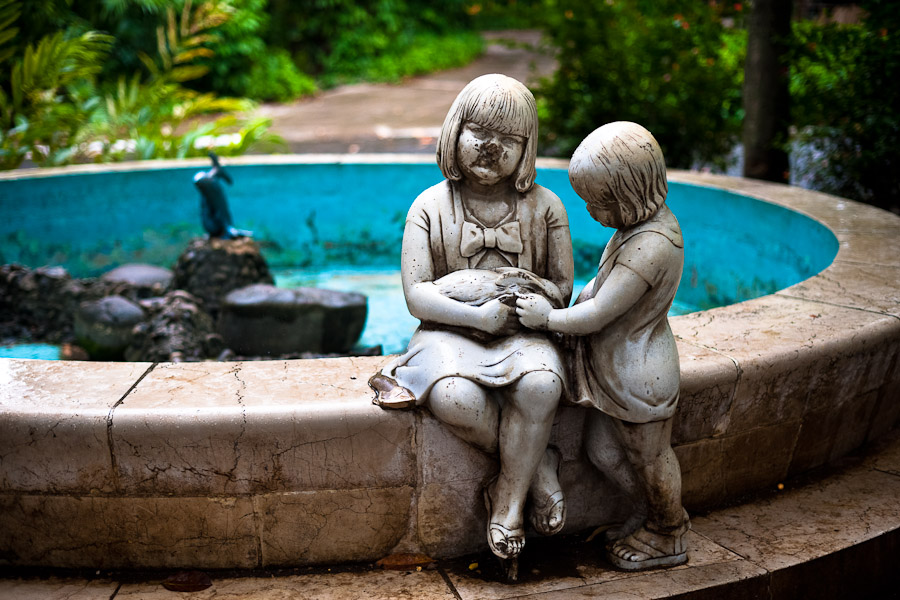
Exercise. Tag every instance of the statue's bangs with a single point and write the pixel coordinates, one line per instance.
(502, 110)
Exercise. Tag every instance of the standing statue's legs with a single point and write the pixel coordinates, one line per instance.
(661, 541)
(606, 451)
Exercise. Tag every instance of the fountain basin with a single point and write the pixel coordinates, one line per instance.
(337, 222)
(241, 465)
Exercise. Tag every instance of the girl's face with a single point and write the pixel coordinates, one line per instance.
(608, 214)
(486, 156)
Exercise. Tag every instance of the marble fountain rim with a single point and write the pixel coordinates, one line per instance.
(796, 379)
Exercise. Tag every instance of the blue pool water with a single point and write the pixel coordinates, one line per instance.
(39, 351)
(340, 226)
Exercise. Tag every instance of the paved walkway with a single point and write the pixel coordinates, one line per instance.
(402, 117)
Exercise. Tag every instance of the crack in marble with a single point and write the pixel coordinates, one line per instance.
(838, 305)
(230, 475)
(113, 462)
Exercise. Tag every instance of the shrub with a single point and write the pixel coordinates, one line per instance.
(346, 40)
(275, 77)
(245, 66)
(669, 65)
(846, 105)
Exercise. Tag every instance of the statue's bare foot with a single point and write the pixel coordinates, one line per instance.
(390, 394)
(646, 549)
(548, 504)
(505, 540)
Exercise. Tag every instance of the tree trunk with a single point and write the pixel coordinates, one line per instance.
(766, 95)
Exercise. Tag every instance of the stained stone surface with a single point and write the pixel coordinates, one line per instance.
(334, 526)
(424, 585)
(53, 418)
(704, 408)
(875, 287)
(257, 427)
(55, 588)
(100, 532)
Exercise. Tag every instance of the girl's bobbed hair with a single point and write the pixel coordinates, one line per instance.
(621, 163)
(500, 103)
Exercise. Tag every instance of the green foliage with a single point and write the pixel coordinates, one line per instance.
(54, 108)
(346, 40)
(507, 14)
(846, 104)
(274, 76)
(669, 65)
(39, 103)
(422, 53)
(245, 66)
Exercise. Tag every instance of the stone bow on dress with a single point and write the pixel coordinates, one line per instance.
(475, 238)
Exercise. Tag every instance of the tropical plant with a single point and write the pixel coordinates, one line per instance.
(54, 110)
(40, 111)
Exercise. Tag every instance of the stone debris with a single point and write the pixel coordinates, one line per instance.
(211, 267)
(146, 313)
(104, 327)
(265, 320)
(178, 329)
(148, 280)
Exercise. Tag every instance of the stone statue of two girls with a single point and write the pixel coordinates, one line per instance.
(487, 268)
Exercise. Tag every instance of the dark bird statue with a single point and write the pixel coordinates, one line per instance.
(214, 211)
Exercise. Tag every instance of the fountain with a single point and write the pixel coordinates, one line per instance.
(259, 464)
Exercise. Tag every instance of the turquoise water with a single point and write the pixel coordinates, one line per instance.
(340, 226)
(389, 323)
(40, 351)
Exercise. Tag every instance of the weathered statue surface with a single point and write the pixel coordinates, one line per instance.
(487, 268)
(471, 244)
(214, 212)
(625, 362)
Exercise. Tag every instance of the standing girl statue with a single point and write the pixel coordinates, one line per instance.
(472, 243)
(626, 362)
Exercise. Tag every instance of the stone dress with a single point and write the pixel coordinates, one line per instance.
(437, 351)
(630, 368)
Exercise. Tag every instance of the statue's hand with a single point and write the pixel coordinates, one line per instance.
(533, 311)
(498, 318)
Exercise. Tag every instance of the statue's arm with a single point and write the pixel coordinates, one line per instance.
(424, 300)
(618, 294)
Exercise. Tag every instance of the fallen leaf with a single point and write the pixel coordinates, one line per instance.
(187, 581)
(404, 562)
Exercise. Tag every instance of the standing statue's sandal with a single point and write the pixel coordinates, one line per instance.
(647, 549)
(509, 561)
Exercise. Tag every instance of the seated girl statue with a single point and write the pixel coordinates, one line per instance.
(470, 245)
(625, 362)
